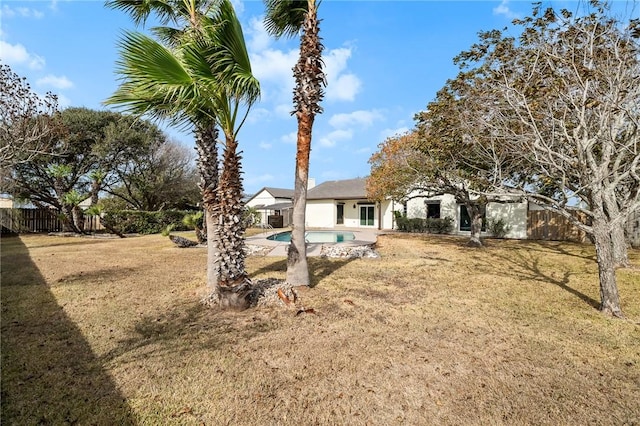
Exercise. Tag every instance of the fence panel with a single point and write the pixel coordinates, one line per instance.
(549, 225)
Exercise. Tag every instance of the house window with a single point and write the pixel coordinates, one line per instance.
(465, 219)
(433, 209)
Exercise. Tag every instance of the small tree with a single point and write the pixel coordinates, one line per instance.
(28, 122)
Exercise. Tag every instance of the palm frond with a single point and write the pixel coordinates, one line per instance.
(285, 17)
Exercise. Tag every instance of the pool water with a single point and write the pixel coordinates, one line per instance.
(316, 236)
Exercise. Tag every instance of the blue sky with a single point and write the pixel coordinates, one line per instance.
(385, 60)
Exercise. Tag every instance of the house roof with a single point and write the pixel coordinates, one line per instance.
(277, 206)
(348, 189)
(278, 192)
(275, 193)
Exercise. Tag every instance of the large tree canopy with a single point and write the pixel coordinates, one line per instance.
(564, 97)
(92, 154)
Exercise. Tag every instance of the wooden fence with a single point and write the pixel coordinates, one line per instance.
(549, 225)
(39, 220)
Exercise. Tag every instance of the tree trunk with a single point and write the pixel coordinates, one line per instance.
(232, 227)
(475, 213)
(67, 219)
(297, 265)
(609, 298)
(620, 248)
(78, 218)
(618, 240)
(307, 96)
(207, 163)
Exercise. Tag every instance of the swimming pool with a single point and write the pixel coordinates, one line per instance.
(316, 236)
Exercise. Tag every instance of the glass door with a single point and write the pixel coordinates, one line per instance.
(340, 214)
(366, 215)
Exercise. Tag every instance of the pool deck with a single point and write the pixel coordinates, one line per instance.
(363, 236)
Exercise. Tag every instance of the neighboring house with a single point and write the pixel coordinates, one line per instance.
(274, 203)
(514, 214)
(344, 203)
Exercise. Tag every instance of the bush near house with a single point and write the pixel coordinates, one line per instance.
(419, 225)
(144, 222)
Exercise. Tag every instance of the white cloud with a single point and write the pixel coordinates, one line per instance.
(290, 138)
(273, 68)
(386, 133)
(258, 115)
(503, 9)
(252, 180)
(265, 145)
(16, 54)
(361, 118)
(344, 88)
(365, 150)
(257, 36)
(341, 85)
(55, 82)
(238, 5)
(23, 12)
(336, 136)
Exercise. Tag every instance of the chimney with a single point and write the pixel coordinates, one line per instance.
(311, 182)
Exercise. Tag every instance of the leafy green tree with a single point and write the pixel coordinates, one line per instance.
(87, 154)
(162, 177)
(201, 76)
(288, 18)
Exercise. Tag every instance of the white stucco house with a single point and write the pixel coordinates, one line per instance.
(514, 214)
(275, 203)
(344, 203)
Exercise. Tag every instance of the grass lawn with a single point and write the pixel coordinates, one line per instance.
(111, 332)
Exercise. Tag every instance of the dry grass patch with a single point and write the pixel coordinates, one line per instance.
(431, 333)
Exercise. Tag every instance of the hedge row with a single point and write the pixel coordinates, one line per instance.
(142, 222)
(431, 226)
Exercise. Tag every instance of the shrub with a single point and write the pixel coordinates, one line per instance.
(431, 226)
(142, 222)
(498, 227)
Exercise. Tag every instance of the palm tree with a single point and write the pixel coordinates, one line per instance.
(201, 77)
(288, 18)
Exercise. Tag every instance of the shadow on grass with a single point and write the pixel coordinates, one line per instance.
(525, 265)
(319, 267)
(49, 373)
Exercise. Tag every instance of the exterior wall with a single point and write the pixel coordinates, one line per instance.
(322, 213)
(262, 198)
(387, 208)
(514, 214)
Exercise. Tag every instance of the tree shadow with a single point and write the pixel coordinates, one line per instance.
(319, 267)
(528, 267)
(49, 374)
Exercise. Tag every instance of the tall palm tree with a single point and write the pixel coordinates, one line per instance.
(202, 76)
(288, 18)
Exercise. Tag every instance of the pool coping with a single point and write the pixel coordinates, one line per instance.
(363, 237)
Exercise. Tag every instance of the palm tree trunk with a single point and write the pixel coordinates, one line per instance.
(207, 163)
(308, 93)
(232, 227)
(297, 265)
